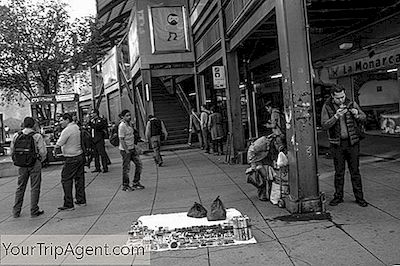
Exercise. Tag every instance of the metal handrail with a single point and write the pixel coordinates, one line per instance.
(183, 98)
(125, 80)
(141, 106)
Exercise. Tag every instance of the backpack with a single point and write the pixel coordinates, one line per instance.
(87, 143)
(24, 154)
(114, 140)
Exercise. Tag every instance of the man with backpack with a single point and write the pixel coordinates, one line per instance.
(71, 145)
(155, 133)
(28, 151)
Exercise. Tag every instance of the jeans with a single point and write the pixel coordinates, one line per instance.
(206, 138)
(35, 174)
(127, 157)
(100, 151)
(347, 153)
(218, 146)
(156, 144)
(73, 170)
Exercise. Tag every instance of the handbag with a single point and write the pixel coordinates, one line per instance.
(255, 179)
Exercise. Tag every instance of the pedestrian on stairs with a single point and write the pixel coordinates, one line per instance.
(155, 133)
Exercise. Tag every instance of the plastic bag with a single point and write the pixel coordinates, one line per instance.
(275, 193)
(217, 211)
(282, 160)
(197, 211)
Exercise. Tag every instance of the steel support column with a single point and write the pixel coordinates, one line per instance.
(232, 91)
(295, 58)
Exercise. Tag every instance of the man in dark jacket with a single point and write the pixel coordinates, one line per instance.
(155, 129)
(342, 119)
(99, 128)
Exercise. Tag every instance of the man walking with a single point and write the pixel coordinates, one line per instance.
(341, 118)
(155, 129)
(73, 170)
(28, 151)
(127, 147)
(204, 127)
(99, 128)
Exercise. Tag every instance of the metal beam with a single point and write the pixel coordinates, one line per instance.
(295, 58)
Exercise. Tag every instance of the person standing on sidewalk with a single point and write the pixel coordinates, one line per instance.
(217, 131)
(204, 127)
(127, 147)
(99, 128)
(73, 170)
(155, 131)
(194, 127)
(32, 141)
(342, 118)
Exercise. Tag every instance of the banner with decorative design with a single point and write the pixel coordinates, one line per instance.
(169, 29)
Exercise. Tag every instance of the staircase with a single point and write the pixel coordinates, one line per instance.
(168, 108)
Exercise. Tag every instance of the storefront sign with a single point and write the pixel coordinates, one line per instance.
(219, 77)
(379, 61)
(66, 97)
(168, 28)
(43, 99)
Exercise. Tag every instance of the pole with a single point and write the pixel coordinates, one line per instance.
(295, 60)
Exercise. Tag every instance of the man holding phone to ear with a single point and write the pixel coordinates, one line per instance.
(342, 119)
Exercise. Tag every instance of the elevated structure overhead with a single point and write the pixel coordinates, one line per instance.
(253, 39)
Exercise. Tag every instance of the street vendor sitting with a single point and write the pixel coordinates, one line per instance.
(262, 156)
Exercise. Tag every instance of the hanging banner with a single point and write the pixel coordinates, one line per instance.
(168, 28)
(133, 38)
(219, 77)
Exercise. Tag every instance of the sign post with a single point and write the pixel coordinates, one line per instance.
(219, 77)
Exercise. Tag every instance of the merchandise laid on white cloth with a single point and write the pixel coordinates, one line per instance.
(175, 231)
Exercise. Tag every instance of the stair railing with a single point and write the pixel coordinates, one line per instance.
(126, 83)
(183, 99)
(140, 104)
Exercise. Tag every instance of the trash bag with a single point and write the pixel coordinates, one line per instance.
(197, 211)
(217, 211)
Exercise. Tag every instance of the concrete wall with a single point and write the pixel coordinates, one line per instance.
(389, 94)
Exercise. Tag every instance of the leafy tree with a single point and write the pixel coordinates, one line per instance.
(39, 46)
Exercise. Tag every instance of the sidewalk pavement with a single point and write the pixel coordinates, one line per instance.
(354, 235)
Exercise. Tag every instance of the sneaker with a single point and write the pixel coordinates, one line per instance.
(160, 163)
(335, 201)
(137, 186)
(80, 204)
(63, 208)
(16, 215)
(38, 213)
(127, 188)
(362, 203)
(105, 171)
